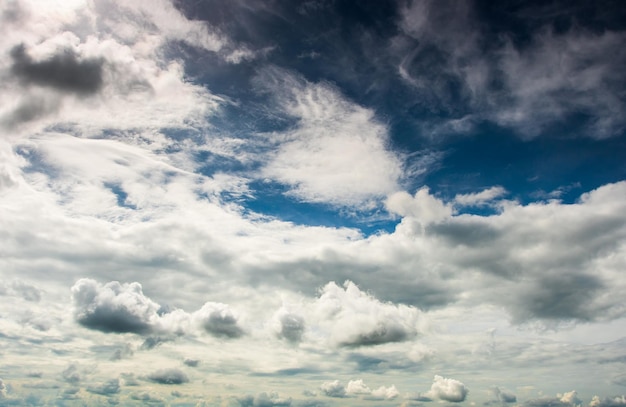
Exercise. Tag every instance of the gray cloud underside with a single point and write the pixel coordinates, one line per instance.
(63, 71)
(168, 376)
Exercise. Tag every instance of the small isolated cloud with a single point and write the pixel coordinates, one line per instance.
(333, 389)
(113, 307)
(480, 198)
(219, 320)
(191, 362)
(168, 376)
(447, 390)
(3, 390)
(423, 206)
(355, 318)
(106, 389)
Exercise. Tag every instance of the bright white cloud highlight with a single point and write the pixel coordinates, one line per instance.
(354, 318)
(447, 390)
(480, 198)
(336, 152)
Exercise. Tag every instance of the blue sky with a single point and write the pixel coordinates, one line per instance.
(312, 203)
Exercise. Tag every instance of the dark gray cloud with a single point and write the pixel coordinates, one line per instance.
(292, 327)
(566, 296)
(152, 342)
(191, 362)
(71, 374)
(124, 352)
(382, 334)
(106, 389)
(146, 397)
(65, 71)
(501, 397)
(218, 320)
(168, 376)
(31, 108)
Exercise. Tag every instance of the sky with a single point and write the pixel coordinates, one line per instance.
(248, 203)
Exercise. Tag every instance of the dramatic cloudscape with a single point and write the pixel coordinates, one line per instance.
(257, 203)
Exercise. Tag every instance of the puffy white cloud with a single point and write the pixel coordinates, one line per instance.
(120, 308)
(423, 207)
(356, 387)
(354, 318)
(480, 198)
(617, 401)
(568, 399)
(333, 389)
(447, 389)
(113, 307)
(385, 393)
(336, 152)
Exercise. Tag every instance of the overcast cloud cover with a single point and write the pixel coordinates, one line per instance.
(312, 203)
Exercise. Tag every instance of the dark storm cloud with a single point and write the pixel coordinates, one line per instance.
(64, 71)
(106, 389)
(168, 376)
